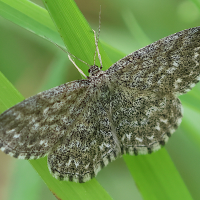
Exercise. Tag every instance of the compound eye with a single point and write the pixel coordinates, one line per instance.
(89, 70)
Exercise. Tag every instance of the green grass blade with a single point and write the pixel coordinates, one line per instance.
(75, 32)
(31, 17)
(156, 176)
(69, 190)
(185, 152)
(8, 93)
(191, 124)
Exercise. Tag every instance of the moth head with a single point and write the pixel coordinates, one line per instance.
(94, 70)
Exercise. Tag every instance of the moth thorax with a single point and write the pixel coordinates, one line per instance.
(94, 70)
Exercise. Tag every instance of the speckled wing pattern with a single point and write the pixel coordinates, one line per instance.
(145, 107)
(130, 108)
(90, 144)
(31, 128)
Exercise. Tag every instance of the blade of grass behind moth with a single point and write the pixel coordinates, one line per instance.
(75, 32)
(31, 17)
(157, 177)
(8, 93)
(184, 149)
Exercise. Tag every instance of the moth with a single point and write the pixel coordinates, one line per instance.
(131, 108)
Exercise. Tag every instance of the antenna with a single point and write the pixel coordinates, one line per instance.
(96, 41)
(77, 67)
(69, 56)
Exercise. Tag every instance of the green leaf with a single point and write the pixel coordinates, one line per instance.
(8, 93)
(69, 190)
(31, 17)
(156, 176)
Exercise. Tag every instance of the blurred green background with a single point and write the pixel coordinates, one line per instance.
(26, 60)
